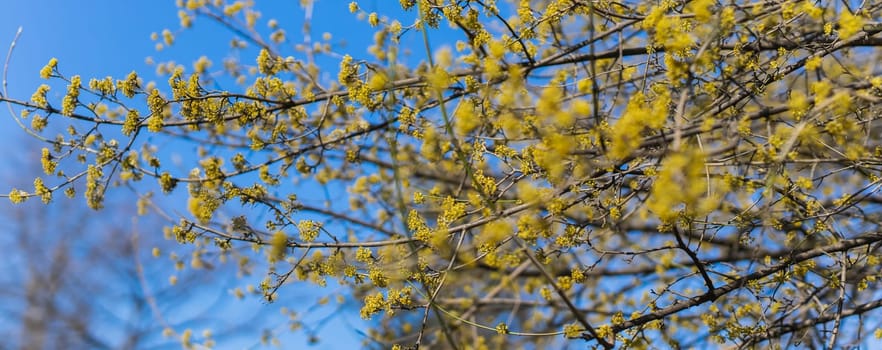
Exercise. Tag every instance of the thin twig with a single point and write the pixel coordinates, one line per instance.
(563, 295)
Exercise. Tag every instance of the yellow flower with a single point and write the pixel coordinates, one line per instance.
(407, 4)
(372, 305)
(41, 190)
(39, 96)
(573, 330)
(813, 11)
(130, 85)
(233, 9)
(38, 123)
(47, 70)
(679, 185)
(813, 63)
(798, 104)
(202, 64)
(47, 162)
(168, 37)
(363, 255)
(69, 103)
(702, 10)
(265, 62)
(309, 230)
(849, 24)
(17, 196)
(131, 122)
(278, 246)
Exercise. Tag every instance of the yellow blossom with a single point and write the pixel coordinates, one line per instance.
(813, 63)
(47, 162)
(49, 68)
(39, 96)
(309, 230)
(69, 103)
(849, 24)
(17, 196)
(278, 246)
(679, 185)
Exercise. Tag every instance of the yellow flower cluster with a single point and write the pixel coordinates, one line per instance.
(438, 79)
(604, 331)
(378, 81)
(168, 37)
(418, 198)
(406, 118)
(94, 189)
(348, 74)
(155, 103)
(849, 24)
(493, 233)
(17, 196)
(185, 18)
(531, 227)
(432, 148)
(812, 11)
(278, 246)
(266, 63)
(702, 10)
(202, 205)
(364, 255)
(373, 304)
(813, 63)
(39, 96)
(201, 65)
(266, 177)
(485, 184)
(676, 69)
(38, 123)
(378, 277)
(309, 230)
(104, 86)
(680, 183)
(130, 85)
(799, 104)
(131, 122)
(451, 210)
(167, 182)
(407, 4)
(47, 162)
(417, 225)
(638, 116)
(233, 9)
(553, 155)
(47, 70)
(525, 13)
(41, 190)
(573, 330)
(69, 103)
(670, 32)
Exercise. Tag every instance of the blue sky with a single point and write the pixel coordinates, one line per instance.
(94, 38)
(106, 37)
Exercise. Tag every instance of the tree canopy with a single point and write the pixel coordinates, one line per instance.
(499, 173)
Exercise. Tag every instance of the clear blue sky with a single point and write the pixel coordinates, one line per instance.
(109, 37)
